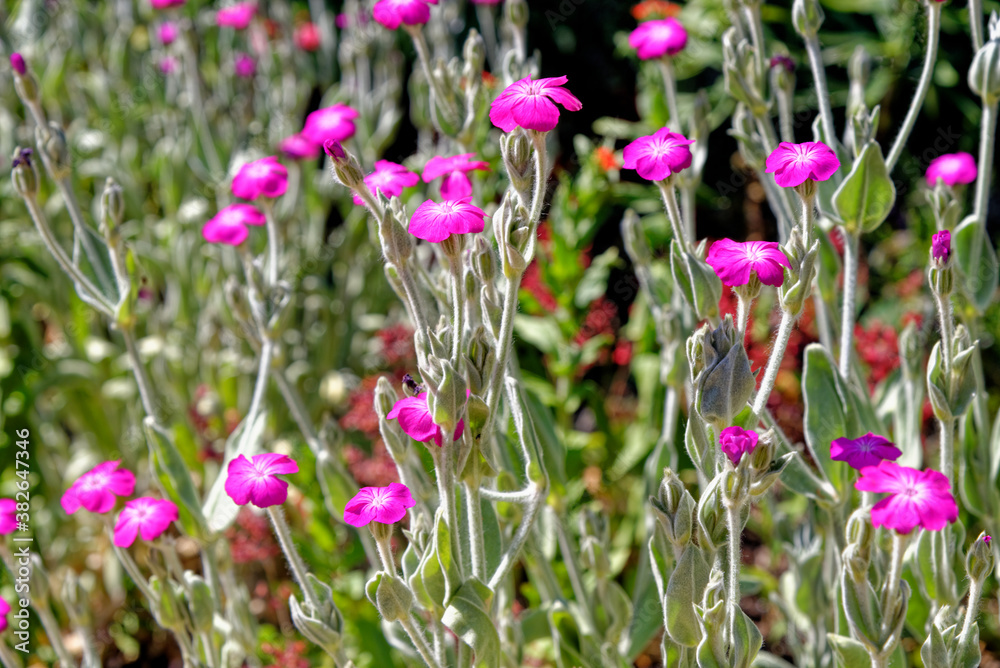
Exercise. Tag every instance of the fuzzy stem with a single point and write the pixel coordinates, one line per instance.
(819, 80)
(385, 552)
(743, 307)
(299, 570)
(673, 211)
(7, 657)
(273, 242)
(444, 461)
(419, 642)
(851, 250)
(971, 610)
(933, 32)
(757, 37)
(947, 449)
(666, 64)
(420, 44)
(520, 537)
(891, 591)
(988, 123)
(785, 115)
(733, 580)
(774, 362)
(476, 529)
(458, 306)
(976, 23)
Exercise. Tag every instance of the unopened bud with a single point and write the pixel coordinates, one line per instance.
(17, 62)
(346, 168)
(984, 75)
(53, 142)
(200, 603)
(980, 560)
(112, 208)
(807, 17)
(23, 173)
(391, 596)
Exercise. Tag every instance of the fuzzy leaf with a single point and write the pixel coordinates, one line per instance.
(866, 196)
(684, 590)
(468, 618)
(975, 254)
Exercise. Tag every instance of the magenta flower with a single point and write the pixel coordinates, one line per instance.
(531, 104)
(299, 147)
(244, 65)
(733, 261)
(952, 168)
(783, 61)
(867, 450)
(166, 4)
(335, 150)
(792, 164)
(436, 222)
(416, 422)
(167, 32)
(17, 62)
(916, 498)
(4, 611)
(987, 538)
(237, 16)
(230, 225)
(456, 184)
(941, 246)
(334, 123)
(389, 179)
(736, 442)
(261, 178)
(8, 519)
(658, 155)
(654, 39)
(97, 489)
(391, 13)
(168, 65)
(256, 480)
(146, 517)
(382, 504)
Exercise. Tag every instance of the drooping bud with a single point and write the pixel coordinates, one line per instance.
(346, 168)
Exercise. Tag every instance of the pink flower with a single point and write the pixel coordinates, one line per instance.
(733, 261)
(330, 123)
(299, 147)
(307, 37)
(916, 498)
(229, 225)
(389, 179)
(237, 16)
(416, 422)
(658, 155)
(255, 480)
(987, 538)
(146, 517)
(941, 246)
(456, 184)
(168, 65)
(97, 489)
(265, 177)
(244, 65)
(867, 450)
(736, 442)
(530, 104)
(383, 504)
(8, 519)
(335, 150)
(436, 222)
(792, 164)
(654, 39)
(166, 4)
(952, 168)
(167, 32)
(783, 61)
(17, 62)
(391, 13)
(4, 611)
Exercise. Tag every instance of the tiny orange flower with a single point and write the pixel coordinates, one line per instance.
(655, 9)
(606, 158)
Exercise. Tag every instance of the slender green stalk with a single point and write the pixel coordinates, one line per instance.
(757, 37)
(458, 306)
(785, 115)
(971, 610)
(476, 542)
(142, 381)
(419, 642)
(92, 252)
(133, 571)
(299, 570)
(851, 250)
(733, 573)
(774, 362)
(385, 553)
(198, 111)
(209, 647)
(437, 94)
(743, 307)
(666, 64)
(520, 537)
(673, 211)
(444, 461)
(819, 80)
(947, 448)
(988, 125)
(273, 241)
(891, 591)
(976, 24)
(930, 60)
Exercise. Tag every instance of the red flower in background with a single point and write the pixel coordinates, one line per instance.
(878, 348)
(292, 655)
(251, 539)
(606, 159)
(655, 9)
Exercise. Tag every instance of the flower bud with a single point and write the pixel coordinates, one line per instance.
(201, 605)
(984, 75)
(712, 516)
(762, 456)
(448, 398)
(728, 382)
(17, 63)
(516, 150)
(346, 168)
(751, 146)
(474, 54)
(24, 82)
(980, 560)
(167, 607)
(807, 17)
(112, 209)
(53, 143)
(697, 281)
(23, 173)
(783, 74)
(674, 508)
(517, 12)
(481, 360)
(391, 596)
(484, 262)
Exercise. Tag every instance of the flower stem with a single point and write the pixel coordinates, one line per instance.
(385, 552)
(971, 610)
(733, 583)
(743, 307)
(976, 23)
(947, 449)
(458, 306)
(673, 211)
(757, 37)
(851, 250)
(273, 242)
(476, 530)
(419, 642)
(988, 123)
(891, 591)
(774, 362)
(930, 60)
(299, 570)
(666, 64)
(445, 462)
(819, 80)
(420, 45)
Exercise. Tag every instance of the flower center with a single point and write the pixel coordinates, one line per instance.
(96, 481)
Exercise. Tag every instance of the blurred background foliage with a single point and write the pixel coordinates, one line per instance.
(585, 337)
